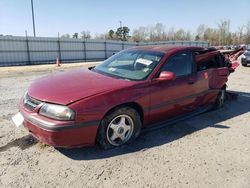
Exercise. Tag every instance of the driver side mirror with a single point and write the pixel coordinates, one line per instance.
(166, 75)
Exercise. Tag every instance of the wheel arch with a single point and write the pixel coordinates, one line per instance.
(133, 105)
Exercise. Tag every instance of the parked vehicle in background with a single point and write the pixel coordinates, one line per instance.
(227, 47)
(245, 59)
(138, 88)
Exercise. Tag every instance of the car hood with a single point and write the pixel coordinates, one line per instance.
(68, 87)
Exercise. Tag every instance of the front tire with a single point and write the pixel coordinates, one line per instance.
(122, 125)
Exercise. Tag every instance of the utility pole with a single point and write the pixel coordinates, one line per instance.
(33, 18)
(121, 30)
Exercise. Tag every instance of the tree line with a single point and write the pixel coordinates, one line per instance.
(221, 35)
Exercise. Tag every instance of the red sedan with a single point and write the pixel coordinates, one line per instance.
(135, 89)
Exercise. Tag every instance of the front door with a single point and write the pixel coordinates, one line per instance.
(172, 98)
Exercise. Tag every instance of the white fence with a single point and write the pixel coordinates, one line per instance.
(40, 50)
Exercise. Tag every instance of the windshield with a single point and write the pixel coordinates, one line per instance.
(131, 65)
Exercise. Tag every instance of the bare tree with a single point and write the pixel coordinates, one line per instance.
(179, 34)
(159, 31)
(170, 34)
(140, 34)
(66, 36)
(240, 34)
(247, 40)
(200, 31)
(85, 35)
(224, 27)
(100, 36)
(221, 35)
(188, 35)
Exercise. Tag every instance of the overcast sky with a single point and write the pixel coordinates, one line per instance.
(98, 16)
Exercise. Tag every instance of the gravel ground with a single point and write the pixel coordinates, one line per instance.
(209, 150)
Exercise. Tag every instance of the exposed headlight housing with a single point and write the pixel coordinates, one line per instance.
(58, 112)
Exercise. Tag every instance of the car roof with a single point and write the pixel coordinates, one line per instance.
(166, 48)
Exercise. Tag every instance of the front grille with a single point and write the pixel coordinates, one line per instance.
(30, 103)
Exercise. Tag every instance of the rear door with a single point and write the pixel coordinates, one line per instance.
(214, 75)
(176, 97)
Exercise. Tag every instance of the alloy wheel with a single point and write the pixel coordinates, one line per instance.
(120, 130)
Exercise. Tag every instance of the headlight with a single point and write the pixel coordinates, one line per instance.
(58, 112)
(243, 56)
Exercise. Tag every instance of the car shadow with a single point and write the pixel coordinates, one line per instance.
(22, 143)
(238, 103)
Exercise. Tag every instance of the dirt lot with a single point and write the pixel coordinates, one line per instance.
(210, 150)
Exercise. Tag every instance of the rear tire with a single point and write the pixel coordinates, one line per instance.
(122, 125)
(220, 100)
